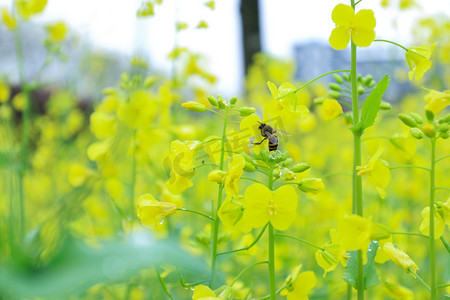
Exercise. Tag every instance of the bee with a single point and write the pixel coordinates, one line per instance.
(268, 132)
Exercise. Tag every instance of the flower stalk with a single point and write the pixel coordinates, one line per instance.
(272, 288)
(433, 288)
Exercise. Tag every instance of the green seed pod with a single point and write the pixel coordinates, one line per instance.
(367, 80)
(430, 115)
(407, 120)
(418, 118)
(233, 100)
(335, 86)
(334, 94)
(385, 105)
(212, 100)
(246, 111)
(359, 78)
(346, 76)
(249, 167)
(338, 78)
(416, 133)
(301, 167)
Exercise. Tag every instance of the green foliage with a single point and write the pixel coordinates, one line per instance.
(370, 273)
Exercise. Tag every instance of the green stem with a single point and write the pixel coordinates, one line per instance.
(219, 114)
(249, 246)
(349, 292)
(245, 270)
(409, 166)
(444, 242)
(133, 178)
(272, 288)
(300, 240)
(443, 285)
(250, 179)
(285, 183)
(393, 43)
(210, 140)
(163, 284)
(195, 212)
(309, 82)
(432, 225)
(420, 279)
(357, 180)
(206, 164)
(215, 222)
(442, 188)
(443, 157)
(411, 233)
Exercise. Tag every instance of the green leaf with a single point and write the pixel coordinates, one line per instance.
(371, 106)
(370, 273)
(351, 270)
(77, 267)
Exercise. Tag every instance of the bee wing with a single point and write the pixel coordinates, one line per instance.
(273, 139)
(281, 131)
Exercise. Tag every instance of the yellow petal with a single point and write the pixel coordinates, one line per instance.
(256, 201)
(339, 38)
(343, 15)
(363, 37)
(364, 19)
(285, 207)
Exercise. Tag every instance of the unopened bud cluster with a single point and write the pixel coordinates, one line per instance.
(218, 103)
(364, 84)
(433, 128)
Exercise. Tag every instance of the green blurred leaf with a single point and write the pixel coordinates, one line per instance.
(370, 273)
(78, 267)
(371, 106)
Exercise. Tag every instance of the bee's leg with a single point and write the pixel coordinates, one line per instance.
(260, 142)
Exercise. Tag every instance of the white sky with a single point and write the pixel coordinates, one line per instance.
(111, 24)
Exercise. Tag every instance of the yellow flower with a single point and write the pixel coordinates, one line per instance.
(8, 20)
(360, 27)
(397, 292)
(400, 258)
(213, 149)
(216, 176)
(5, 92)
(299, 284)
(331, 109)
(102, 125)
(418, 59)
(203, 292)
(334, 253)
(439, 224)
(78, 175)
(194, 106)
(151, 212)
(437, 101)
(98, 151)
(181, 166)
(249, 129)
(444, 208)
(377, 171)
(235, 168)
(231, 213)
(56, 32)
(382, 256)
(311, 185)
(262, 205)
(139, 111)
(355, 232)
(29, 8)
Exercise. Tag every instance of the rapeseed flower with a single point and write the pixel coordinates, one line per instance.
(181, 166)
(299, 284)
(418, 59)
(249, 129)
(355, 233)
(400, 258)
(152, 212)
(139, 111)
(29, 8)
(378, 172)
(359, 27)
(331, 109)
(262, 205)
(333, 255)
(8, 20)
(439, 224)
(437, 101)
(396, 291)
(103, 125)
(231, 213)
(231, 180)
(203, 292)
(56, 32)
(5, 92)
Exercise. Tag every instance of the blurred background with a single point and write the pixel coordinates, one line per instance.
(105, 34)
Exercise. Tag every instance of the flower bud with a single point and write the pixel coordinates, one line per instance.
(287, 174)
(249, 167)
(444, 135)
(346, 76)
(429, 131)
(338, 78)
(418, 118)
(318, 100)
(246, 111)
(287, 162)
(212, 100)
(372, 83)
(276, 173)
(385, 105)
(443, 128)
(311, 185)
(233, 100)
(216, 176)
(447, 118)
(110, 91)
(407, 120)
(367, 80)
(361, 90)
(301, 167)
(149, 81)
(416, 133)
(194, 106)
(359, 78)
(334, 94)
(430, 115)
(335, 86)
(263, 156)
